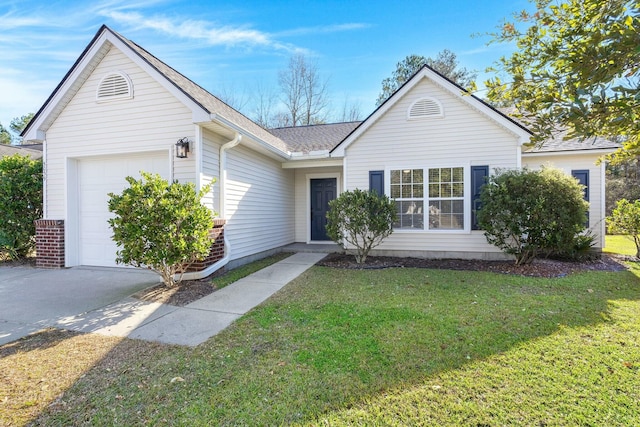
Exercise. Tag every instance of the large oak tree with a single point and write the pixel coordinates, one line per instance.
(576, 68)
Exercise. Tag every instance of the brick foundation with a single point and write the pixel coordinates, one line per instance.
(49, 243)
(216, 252)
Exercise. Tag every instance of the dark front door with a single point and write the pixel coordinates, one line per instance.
(322, 192)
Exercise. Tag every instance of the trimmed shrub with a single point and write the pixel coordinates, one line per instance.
(20, 204)
(532, 213)
(160, 226)
(625, 219)
(362, 219)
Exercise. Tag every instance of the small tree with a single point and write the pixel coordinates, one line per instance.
(20, 204)
(160, 226)
(530, 213)
(362, 219)
(625, 219)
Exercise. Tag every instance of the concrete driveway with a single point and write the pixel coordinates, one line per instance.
(32, 298)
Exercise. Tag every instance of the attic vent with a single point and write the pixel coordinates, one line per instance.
(114, 86)
(425, 107)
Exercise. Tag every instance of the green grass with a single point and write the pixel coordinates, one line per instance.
(238, 273)
(389, 347)
(622, 245)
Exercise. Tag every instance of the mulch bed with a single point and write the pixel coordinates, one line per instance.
(539, 267)
(191, 290)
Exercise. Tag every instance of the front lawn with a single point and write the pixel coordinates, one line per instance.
(398, 346)
(618, 244)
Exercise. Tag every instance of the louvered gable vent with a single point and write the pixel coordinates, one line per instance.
(115, 86)
(425, 107)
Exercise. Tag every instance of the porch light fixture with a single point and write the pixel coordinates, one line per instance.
(182, 148)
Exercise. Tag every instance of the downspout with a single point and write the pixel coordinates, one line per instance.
(195, 275)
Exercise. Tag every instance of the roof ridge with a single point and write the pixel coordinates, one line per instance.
(316, 124)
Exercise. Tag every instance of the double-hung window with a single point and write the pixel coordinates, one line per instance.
(407, 188)
(446, 198)
(428, 199)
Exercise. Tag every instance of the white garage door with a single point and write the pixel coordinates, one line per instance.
(96, 178)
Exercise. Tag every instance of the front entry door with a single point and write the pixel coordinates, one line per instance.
(322, 192)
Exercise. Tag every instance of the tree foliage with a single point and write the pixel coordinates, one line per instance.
(362, 219)
(622, 181)
(17, 125)
(304, 92)
(5, 136)
(576, 68)
(532, 213)
(20, 204)
(625, 219)
(446, 63)
(160, 226)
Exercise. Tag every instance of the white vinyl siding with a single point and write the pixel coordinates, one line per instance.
(153, 120)
(211, 169)
(259, 204)
(579, 161)
(464, 136)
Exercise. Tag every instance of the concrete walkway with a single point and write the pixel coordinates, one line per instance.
(197, 322)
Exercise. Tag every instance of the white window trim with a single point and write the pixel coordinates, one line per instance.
(128, 95)
(466, 167)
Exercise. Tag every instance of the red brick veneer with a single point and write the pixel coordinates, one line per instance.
(49, 243)
(216, 252)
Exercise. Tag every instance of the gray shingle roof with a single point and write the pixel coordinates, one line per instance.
(205, 99)
(557, 143)
(34, 151)
(303, 139)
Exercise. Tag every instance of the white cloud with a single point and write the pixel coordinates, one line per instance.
(323, 29)
(206, 32)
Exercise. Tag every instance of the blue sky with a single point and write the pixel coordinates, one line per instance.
(234, 46)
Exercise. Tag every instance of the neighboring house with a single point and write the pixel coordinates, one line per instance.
(32, 150)
(120, 110)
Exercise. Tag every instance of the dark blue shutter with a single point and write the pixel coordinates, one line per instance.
(582, 175)
(376, 182)
(479, 175)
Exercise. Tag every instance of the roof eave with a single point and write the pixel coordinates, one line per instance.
(568, 152)
(507, 122)
(281, 155)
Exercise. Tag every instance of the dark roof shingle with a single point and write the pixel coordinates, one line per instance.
(304, 139)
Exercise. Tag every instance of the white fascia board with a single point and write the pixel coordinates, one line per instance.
(478, 105)
(270, 148)
(37, 131)
(311, 163)
(199, 113)
(598, 151)
(340, 150)
(523, 135)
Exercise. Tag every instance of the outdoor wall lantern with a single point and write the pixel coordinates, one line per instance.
(182, 148)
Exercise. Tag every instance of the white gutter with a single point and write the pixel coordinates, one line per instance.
(195, 275)
(223, 121)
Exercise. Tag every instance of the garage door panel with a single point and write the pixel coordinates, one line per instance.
(97, 177)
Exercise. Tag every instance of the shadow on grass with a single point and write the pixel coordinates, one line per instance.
(332, 339)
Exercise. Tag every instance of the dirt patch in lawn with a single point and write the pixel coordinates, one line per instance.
(539, 267)
(184, 293)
